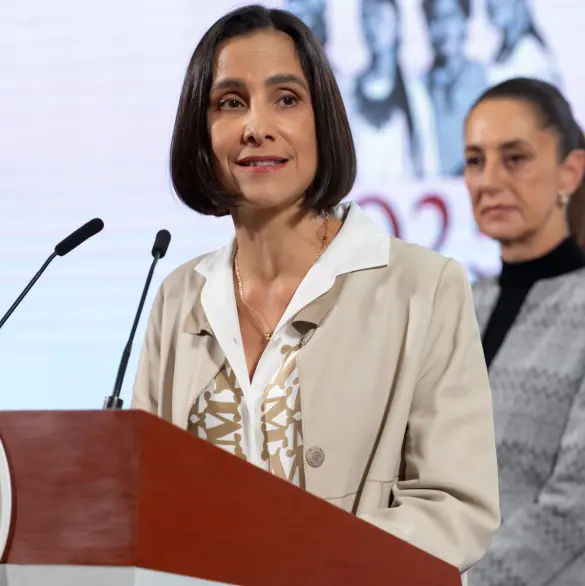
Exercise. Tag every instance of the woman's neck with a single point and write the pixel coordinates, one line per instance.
(563, 259)
(275, 245)
(533, 247)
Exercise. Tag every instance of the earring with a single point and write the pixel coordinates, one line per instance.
(563, 199)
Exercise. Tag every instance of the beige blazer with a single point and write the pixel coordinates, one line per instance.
(396, 406)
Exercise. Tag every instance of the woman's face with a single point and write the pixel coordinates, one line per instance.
(513, 172)
(261, 120)
(380, 25)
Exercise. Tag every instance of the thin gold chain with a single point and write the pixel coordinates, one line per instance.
(268, 335)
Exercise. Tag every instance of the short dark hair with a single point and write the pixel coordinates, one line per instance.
(193, 171)
(554, 113)
(429, 8)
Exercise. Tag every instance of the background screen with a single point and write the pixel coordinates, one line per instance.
(88, 92)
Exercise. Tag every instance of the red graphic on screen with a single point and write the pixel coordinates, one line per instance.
(386, 208)
(436, 202)
(431, 202)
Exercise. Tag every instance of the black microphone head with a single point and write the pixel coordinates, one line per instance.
(161, 243)
(79, 236)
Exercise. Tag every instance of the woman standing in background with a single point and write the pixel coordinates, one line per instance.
(525, 160)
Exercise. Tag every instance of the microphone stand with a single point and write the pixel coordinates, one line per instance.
(27, 289)
(114, 401)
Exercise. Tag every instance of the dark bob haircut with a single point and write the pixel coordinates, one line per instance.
(193, 168)
(554, 113)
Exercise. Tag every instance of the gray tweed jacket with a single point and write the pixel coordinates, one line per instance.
(538, 385)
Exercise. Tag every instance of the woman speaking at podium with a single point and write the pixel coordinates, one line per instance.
(314, 345)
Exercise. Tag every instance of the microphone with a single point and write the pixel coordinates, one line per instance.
(64, 247)
(159, 249)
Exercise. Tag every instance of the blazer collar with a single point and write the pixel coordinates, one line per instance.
(196, 322)
(311, 316)
(306, 319)
(360, 245)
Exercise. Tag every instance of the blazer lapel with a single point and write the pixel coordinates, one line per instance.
(204, 358)
(307, 322)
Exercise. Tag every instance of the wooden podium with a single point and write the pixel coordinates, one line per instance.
(122, 497)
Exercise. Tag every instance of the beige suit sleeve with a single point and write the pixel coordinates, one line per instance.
(146, 385)
(446, 502)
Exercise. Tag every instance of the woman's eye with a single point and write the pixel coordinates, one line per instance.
(515, 159)
(230, 104)
(472, 161)
(288, 101)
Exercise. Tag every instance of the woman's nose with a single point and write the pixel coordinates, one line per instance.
(259, 125)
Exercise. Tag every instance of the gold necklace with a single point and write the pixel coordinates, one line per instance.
(268, 335)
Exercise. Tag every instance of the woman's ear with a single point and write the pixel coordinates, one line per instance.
(573, 172)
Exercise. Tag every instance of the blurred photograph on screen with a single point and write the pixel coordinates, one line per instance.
(522, 50)
(387, 106)
(454, 80)
(313, 14)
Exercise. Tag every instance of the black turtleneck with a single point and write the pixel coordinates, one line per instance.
(516, 280)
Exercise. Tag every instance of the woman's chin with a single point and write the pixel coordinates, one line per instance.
(503, 233)
(266, 200)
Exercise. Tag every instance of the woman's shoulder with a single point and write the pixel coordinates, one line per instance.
(187, 279)
(179, 292)
(423, 267)
(485, 295)
(182, 274)
(567, 291)
(485, 285)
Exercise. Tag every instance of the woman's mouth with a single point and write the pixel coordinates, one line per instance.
(262, 164)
